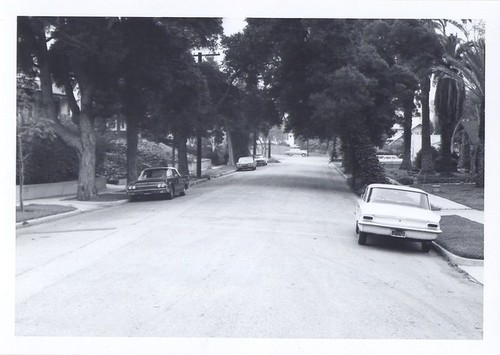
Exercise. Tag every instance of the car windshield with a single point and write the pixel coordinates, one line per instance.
(153, 174)
(245, 160)
(399, 197)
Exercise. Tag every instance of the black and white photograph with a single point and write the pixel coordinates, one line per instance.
(243, 177)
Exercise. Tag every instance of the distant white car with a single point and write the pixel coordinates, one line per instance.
(396, 211)
(389, 159)
(296, 151)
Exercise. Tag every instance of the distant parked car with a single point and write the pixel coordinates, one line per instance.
(260, 160)
(296, 151)
(389, 159)
(161, 181)
(396, 211)
(246, 163)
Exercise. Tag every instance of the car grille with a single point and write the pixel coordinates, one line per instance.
(146, 186)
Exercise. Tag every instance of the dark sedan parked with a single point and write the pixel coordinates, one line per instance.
(162, 181)
(247, 163)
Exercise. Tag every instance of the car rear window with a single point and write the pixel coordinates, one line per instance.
(399, 197)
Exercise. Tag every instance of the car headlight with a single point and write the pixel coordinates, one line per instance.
(162, 185)
(132, 187)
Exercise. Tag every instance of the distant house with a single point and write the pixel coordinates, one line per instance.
(395, 143)
(31, 113)
(117, 126)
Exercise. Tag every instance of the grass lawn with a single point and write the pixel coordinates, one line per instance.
(462, 237)
(34, 211)
(465, 194)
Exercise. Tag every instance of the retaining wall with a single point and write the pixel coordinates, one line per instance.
(64, 188)
(205, 165)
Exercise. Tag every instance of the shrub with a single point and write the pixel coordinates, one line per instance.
(50, 161)
(149, 154)
(405, 180)
(437, 160)
(362, 162)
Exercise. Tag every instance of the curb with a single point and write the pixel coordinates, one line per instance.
(33, 222)
(340, 171)
(208, 179)
(455, 259)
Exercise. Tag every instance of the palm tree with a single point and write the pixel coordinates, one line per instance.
(449, 100)
(468, 69)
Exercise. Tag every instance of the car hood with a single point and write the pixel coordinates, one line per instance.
(399, 211)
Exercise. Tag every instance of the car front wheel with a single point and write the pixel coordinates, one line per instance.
(426, 246)
(362, 238)
(171, 193)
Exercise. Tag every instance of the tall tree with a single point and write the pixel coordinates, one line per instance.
(82, 56)
(449, 101)
(469, 70)
(414, 45)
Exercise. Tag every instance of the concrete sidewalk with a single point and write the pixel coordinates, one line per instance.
(80, 206)
(85, 206)
(473, 267)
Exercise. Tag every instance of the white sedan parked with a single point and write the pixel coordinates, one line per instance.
(396, 211)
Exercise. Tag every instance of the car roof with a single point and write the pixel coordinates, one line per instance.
(397, 187)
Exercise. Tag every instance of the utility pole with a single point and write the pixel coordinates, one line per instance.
(198, 133)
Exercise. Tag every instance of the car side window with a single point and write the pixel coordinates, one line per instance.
(366, 195)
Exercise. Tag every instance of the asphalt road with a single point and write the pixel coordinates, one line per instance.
(270, 253)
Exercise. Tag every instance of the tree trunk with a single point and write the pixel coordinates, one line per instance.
(86, 173)
(21, 174)
(254, 143)
(173, 150)
(269, 146)
(446, 133)
(230, 151)
(183, 166)
(198, 155)
(408, 112)
(480, 148)
(426, 154)
(480, 165)
(132, 147)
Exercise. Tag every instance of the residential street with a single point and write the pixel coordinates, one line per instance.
(268, 253)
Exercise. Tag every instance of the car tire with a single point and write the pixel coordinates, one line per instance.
(132, 198)
(357, 228)
(426, 247)
(171, 193)
(303, 155)
(362, 238)
(254, 168)
(183, 192)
